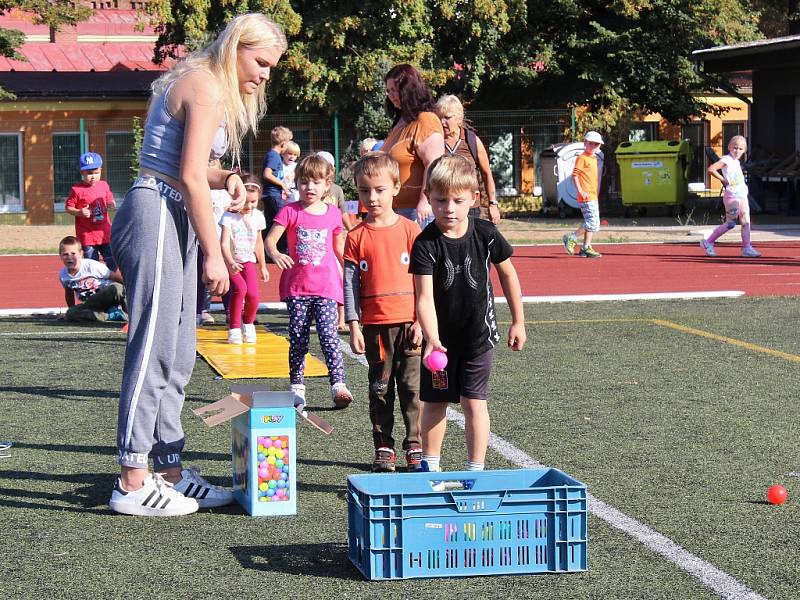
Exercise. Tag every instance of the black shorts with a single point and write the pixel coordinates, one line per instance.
(468, 378)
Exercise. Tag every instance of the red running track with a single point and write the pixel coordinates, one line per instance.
(32, 281)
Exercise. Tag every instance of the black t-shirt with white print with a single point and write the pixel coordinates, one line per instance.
(462, 288)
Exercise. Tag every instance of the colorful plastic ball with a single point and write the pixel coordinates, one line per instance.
(263, 486)
(284, 476)
(285, 468)
(261, 456)
(276, 475)
(271, 461)
(281, 483)
(280, 453)
(437, 360)
(279, 463)
(263, 499)
(270, 493)
(777, 494)
(272, 484)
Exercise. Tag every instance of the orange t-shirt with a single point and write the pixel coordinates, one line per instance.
(586, 172)
(401, 144)
(386, 290)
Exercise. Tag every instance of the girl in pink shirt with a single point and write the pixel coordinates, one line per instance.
(311, 280)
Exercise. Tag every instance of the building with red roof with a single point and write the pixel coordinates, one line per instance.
(77, 89)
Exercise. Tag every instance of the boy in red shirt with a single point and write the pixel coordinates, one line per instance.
(587, 181)
(379, 292)
(88, 202)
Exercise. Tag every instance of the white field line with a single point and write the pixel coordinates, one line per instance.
(625, 297)
(713, 578)
(263, 306)
(78, 332)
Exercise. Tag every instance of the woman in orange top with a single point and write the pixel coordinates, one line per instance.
(415, 141)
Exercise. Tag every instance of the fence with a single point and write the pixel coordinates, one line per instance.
(39, 158)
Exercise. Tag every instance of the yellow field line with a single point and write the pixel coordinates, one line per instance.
(727, 340)
(677, 327)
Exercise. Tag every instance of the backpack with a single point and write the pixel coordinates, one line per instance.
(472, 142)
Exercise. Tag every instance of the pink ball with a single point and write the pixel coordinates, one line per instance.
(267, 442)
(437, 360)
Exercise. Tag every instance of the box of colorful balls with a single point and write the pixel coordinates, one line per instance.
(263, 447)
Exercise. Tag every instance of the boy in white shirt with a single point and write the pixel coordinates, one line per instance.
(99, 289)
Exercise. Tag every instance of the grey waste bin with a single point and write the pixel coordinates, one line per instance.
(558, 189)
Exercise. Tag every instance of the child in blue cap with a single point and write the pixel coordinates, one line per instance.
(89, 202)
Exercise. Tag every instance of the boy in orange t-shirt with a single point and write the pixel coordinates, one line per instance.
(587, 182)
(379, 293)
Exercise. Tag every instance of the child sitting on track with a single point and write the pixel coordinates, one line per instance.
(96, 286)
(311, 283)
(728, 170)
(379, 292)
(455, 307)
(243, 251)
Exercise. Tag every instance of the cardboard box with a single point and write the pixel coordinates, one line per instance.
(263, 447)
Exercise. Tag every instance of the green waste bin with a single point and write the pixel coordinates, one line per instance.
(654, 173)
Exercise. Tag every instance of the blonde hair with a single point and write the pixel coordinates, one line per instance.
(376, 163)
(449, 174)
(292, 148)
(312, 167)
(737, 138)
(280, 134)
(450, 106)
(242, 112)
(366, 145)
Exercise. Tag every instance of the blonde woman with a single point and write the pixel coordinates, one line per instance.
(200, 109)
(462, 140)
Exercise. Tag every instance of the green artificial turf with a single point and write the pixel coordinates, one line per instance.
(682, 432)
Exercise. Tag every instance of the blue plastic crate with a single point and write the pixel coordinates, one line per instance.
(466, 523)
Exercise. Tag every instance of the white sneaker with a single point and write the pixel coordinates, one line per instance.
(750, 252)
(340, 395)
(235, 336)
(249, 333)
(192, 485)
(299, 391)
(708, 247)
(156, 498)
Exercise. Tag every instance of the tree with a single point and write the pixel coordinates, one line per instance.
(618, 58)
(43, 12)
(614, 57)
(339, 50)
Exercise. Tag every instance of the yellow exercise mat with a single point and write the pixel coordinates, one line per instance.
(268, 357)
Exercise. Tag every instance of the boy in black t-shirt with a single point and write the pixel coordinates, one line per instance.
(455, 307)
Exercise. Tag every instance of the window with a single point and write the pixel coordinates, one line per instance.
(11, 192)
(501, 160)
(696, 134)
(643, 131)
(66, 151)
(117, 162)
(730, 129)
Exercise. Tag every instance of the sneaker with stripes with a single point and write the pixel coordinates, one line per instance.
(192, 485)
(156, 498)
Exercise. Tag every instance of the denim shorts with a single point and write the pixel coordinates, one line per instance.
(591, 215)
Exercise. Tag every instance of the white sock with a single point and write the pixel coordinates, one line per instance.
(433, 461)
(474, 466)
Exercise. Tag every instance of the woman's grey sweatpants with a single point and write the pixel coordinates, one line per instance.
(155, 247)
